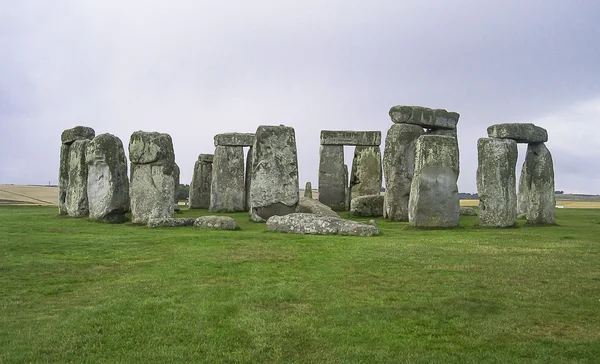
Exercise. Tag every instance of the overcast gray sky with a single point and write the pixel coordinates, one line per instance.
(194, 69)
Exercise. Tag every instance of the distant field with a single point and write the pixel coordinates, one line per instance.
(28, 195)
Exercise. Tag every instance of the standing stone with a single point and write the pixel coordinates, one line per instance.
(523, 196)
(308, 190)
(539, 178)
(332, 184)
(434, 198)
(76, 202)
(274, 189)
(201, 180)
(152, 185)
(248, 181)
(228, 187)
(346, 188)
(176, 175)
(448, 132)
(399, 166)
(366, 174)
(496, 182)
(67, 138)
(107, 181)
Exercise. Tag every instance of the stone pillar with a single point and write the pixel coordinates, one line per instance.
(201, 180)
(365, 179)
(308, 190)
(398, 167)
(152, 183)
(332, 184)
(274, 189)
(107, 181)
(68, 137)
(76, 195)
(228, 185)
(248, 184)
(496, 182)
(434, 198)
(176, 175)
(539, 180)
(346, 188)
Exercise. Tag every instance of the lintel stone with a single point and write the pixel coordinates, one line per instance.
(424, 116)
(234, 139)
(519, 132)
(350, 137)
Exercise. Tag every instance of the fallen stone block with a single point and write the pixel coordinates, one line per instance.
(302, 223)
(216, 222)
(170, 222)
(311, 206)
(367, 206)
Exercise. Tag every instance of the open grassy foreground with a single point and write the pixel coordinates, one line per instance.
(78, 291)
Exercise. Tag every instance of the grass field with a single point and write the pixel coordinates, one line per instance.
(72, 290)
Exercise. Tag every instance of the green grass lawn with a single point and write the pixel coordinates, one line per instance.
(72, 290)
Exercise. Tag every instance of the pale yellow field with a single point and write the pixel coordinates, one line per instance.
(565, 203)
(28, 195)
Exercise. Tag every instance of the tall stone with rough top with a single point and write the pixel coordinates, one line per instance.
(398, 167)
(201, 180)
(308, 190)
(539, 181)
(176, 181)
(68, 137)
(523, 194)
(496, 182)
(365, 179)
(107, 181)
(434, 198)
(332, 184)
(248, 178)
(228, 186)
(152, 183)
(274, 189)
(76, 202)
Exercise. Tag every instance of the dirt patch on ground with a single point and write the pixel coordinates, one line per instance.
(28, 195)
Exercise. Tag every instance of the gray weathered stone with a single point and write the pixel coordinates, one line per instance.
(467, 211)
(332, 184)
(274, 189)
(201, 180)
(346, 188)
(398, 167)
(523, 193)
(311, 206)
(308, 190)
(302, 223)
(496, 182)
(68, 136)
(107, 181)
(216, 222)
(176, 174)
(234, 139)
(367, 206)
(76, 201)
(227, 193)
(448, 132)
(434, 198)
(152, 183)
(519, 132)
(366, 174)
(248, 180)
(539, 178)
(350, 137)
(424, 116)
(171, 222)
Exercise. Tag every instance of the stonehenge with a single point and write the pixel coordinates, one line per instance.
(107, 181)
(496, 183)
(274, 188)
(152, 182)
(201, 180)
(229, 181)
(72, 174)
(366, 176)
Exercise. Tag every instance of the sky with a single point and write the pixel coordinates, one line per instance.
(194, 68)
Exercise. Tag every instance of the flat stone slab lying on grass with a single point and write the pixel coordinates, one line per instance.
(216, 222)
(519, 132)
(371, 206)
(312, 206)
(171, 222)
(302, 223)
(424, 116)
(468, 211)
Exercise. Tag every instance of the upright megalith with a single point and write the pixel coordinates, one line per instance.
(274, 189)
(538, 174)
(398, 167)
(176, 175)
(107, 181)
(152, 182)
(434, 198)
(308, 190)
(68, 137)
(76, 202)
(365, 179)
(201, 179)
(332, 183)
(227, 192)
(496, 182)
(248, 179)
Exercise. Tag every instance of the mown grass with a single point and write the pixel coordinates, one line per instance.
(72, 290)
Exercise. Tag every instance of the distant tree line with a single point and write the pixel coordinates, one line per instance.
(183, 192)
